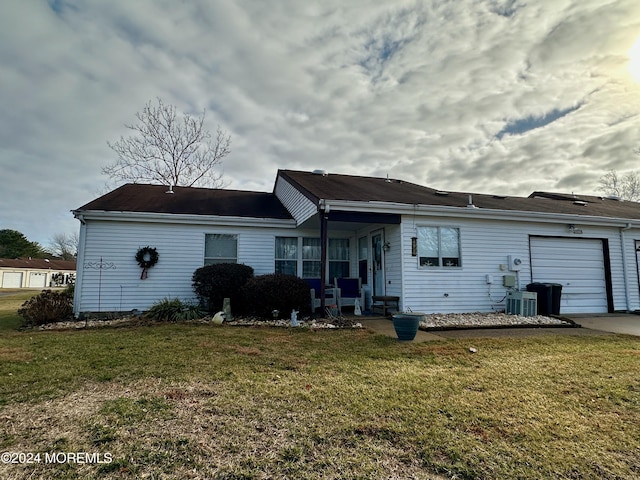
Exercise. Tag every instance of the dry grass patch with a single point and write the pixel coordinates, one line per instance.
(248, 350)
(9, 354)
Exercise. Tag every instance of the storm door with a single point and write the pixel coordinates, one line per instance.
(377, 262)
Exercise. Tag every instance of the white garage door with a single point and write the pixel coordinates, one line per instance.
(577, 264)
(37, 280)
(12, 280)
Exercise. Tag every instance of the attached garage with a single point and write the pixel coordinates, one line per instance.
(12, 280)
(578, 264)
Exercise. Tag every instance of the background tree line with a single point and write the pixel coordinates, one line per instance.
(14, 244)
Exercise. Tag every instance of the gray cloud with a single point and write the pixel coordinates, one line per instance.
(502, 96)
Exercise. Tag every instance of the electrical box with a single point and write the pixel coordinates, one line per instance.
(489, 278)
(509, 281)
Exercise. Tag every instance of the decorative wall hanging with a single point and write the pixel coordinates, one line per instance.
(100, 266)
(146, 257)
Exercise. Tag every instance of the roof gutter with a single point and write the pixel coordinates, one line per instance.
(479, 212)
(190, 219)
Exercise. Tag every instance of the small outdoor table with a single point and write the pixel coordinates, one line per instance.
(385, 303)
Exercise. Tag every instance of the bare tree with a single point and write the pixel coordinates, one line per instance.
(64, 245)
(169, 150)
(626, 187)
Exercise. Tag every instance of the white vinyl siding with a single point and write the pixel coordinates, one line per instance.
(578, 265)
(485, 247)
(181, 250)
(393, 260)
(299, 206)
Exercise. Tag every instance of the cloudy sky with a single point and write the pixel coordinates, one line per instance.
(488, 96)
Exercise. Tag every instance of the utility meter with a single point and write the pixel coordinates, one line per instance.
(515, 263)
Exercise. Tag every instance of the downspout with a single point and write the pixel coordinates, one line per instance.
(79, 262)
(627, 295)
(324, 217)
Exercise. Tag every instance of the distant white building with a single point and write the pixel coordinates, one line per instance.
(36, 272)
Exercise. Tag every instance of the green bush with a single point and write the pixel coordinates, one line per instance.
(173, 310)
(213, 283)
(263, 294)
(47, 307)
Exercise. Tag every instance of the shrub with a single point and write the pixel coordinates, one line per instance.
(174, 310)
(213, 283)
(265, 293)
(47, 307)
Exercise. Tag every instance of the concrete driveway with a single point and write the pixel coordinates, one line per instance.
(593, 324)
(626, 323)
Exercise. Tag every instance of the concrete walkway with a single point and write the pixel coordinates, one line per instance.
(591, 325)
(626, 323)
(384, 326)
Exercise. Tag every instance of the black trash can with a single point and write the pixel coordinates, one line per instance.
(556, 295)
(549, 295)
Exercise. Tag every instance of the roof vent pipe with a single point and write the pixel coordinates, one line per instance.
(470, 204)
(170, 190)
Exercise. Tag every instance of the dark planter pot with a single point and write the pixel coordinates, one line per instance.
(406, 325)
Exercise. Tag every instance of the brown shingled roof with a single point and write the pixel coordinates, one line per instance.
(38, 263)
(190, 201)
(367, 189)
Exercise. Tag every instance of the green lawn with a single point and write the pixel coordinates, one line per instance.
(199, 401)
(9, 304)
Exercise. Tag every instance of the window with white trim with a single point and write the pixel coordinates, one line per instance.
(439, 247)
(220, 248)
(301, 256)
(287, 255)
(311, 254)
(338, 256)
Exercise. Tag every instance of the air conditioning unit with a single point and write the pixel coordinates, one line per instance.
(522, 303)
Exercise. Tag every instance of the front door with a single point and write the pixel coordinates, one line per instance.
(377, 262)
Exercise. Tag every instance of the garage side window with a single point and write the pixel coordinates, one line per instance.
(220, 248)
(439, 247)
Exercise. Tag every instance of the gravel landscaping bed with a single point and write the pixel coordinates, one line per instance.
(437, 321)
(444, 321)
(339, 322)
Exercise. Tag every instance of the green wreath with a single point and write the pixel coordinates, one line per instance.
(146, 257)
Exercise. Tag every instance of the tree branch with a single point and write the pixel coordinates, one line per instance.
(163, 150)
